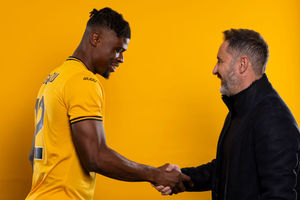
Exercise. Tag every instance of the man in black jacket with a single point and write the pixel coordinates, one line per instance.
(258, 148)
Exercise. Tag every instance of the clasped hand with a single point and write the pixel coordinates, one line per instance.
(170, 180)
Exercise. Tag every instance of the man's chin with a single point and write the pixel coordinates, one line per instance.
(224, 91)
(105, 75)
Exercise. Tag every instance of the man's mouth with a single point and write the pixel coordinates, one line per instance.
(113, 67)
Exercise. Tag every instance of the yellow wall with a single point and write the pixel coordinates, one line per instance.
(163, 104)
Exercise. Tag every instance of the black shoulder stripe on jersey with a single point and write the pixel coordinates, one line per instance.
(78, 60)
(86, 119)
(73, 59)
(100, 117)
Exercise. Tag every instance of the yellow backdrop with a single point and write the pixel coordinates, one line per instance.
(163, 104)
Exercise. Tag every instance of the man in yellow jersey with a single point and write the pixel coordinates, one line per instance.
(69, 145)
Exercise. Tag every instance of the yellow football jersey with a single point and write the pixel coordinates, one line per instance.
(70, 94)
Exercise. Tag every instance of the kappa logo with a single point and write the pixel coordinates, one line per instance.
(89, 79)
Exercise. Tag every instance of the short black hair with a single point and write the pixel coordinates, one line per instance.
(108, 18)
(251, 44)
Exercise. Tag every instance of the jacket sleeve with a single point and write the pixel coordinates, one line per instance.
(276, 143)
(201, 176)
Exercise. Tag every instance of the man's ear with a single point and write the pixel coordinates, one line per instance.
(244, 64)
(95, 39)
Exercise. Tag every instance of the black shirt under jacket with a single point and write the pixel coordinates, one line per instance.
(257, 153)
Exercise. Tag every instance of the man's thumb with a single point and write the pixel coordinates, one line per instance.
(170, 168)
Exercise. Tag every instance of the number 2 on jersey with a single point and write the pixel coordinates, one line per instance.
(39, 104)
(38, 150)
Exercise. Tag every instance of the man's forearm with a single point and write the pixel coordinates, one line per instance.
(201, 176)
(112, 164)
(96, 156)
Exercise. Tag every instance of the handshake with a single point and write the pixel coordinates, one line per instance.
(170, 180)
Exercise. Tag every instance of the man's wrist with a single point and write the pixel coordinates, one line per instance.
(152, 174)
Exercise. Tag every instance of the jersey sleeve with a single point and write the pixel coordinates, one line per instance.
(83, 98)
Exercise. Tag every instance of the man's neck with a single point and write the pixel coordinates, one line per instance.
(81, 53)
(245, 83)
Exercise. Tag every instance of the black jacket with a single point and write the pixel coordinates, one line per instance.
(263, 158)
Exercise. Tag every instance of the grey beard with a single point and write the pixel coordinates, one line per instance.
(229, 87)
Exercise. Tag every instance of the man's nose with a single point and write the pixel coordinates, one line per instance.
(215, 70)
